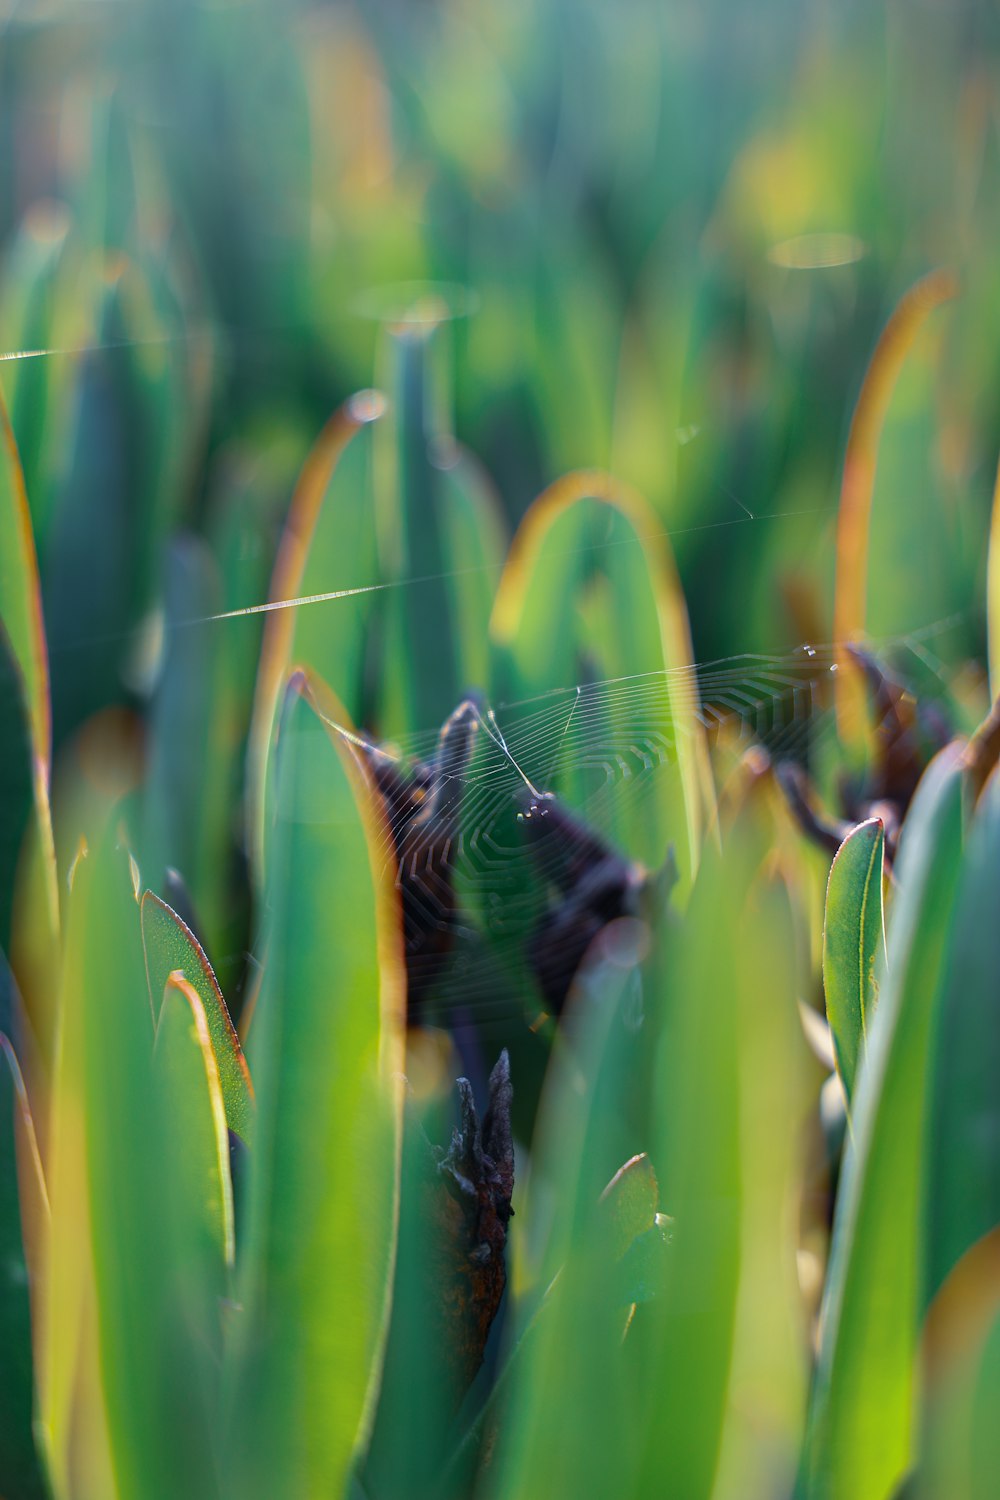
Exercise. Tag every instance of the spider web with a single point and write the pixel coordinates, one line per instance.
(600, 749)
(477, 881)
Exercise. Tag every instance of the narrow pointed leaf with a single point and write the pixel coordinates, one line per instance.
(192, 1099)
(590, 592)
(853, 941)
(630, 1201)
(861, 1422)
(326, 1052)
(858, 485)
(25, 753)
(20, 595)
(20, 1473)
(727, 1373)
(963, 1194)
(328, 543)
(171, 946)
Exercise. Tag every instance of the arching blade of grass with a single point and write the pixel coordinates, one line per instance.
(861, 1421)
(326, 1050)
(857, 489)
(121, 1342)
(25, 686)
(198, 1182)
(708, 1084)
(959, 1434)
(590, 591)
(17, 782)
(569, 1355)
(631, 1200)
(726, 1373)
(20, 1473)
(30, 295)
(170, 946)
(993, 593)
(440, 538)
(328, 543)
(72, 1410)
(853, 942)
(20, 597)
(187, 818)
(963, 1139)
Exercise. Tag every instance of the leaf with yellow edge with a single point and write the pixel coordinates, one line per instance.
(24, 694)
(630, 1201)
(857, 488)
(170, 946)
(20, 593)
(328, 544)
(327, 1052)
(962, 1152)
(960, 1439)
(590, 591)
(993, 592)
(19, 1469)
(200, 1183)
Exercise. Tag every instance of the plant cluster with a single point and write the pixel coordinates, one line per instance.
(454, 1043)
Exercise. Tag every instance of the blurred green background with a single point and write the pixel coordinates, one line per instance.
(670, 234)
(659, 240)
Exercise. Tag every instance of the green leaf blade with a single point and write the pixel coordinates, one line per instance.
(20, 591)
(853, 941)
(963, 1195)
(187, 1072)
(170, 945)
(860, 1439)
(327, 1053)
(20, 1473)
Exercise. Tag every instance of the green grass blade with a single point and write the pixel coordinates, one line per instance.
(30, 293)
(326, 1053)
(20, 595)
(860, 1437)
(20, 1473)
(328, 543)
(186, 821)
(726, 1374)
(153, 1355)
(631, 1200)
(440, 536)
(590, 591)
(959, 1435)
(963, 1139)
(857, 489)
(853, 939)
(121, 1348)
(993, 591)
(25, 679)
(199, 1185)
(170, 946)
(17, 780)
(569, 1355)
(73, 1418)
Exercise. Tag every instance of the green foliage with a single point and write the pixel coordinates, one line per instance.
(853, 942)
(321, 1210)
(863, 1407)
(171, 948)
(654, 256)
